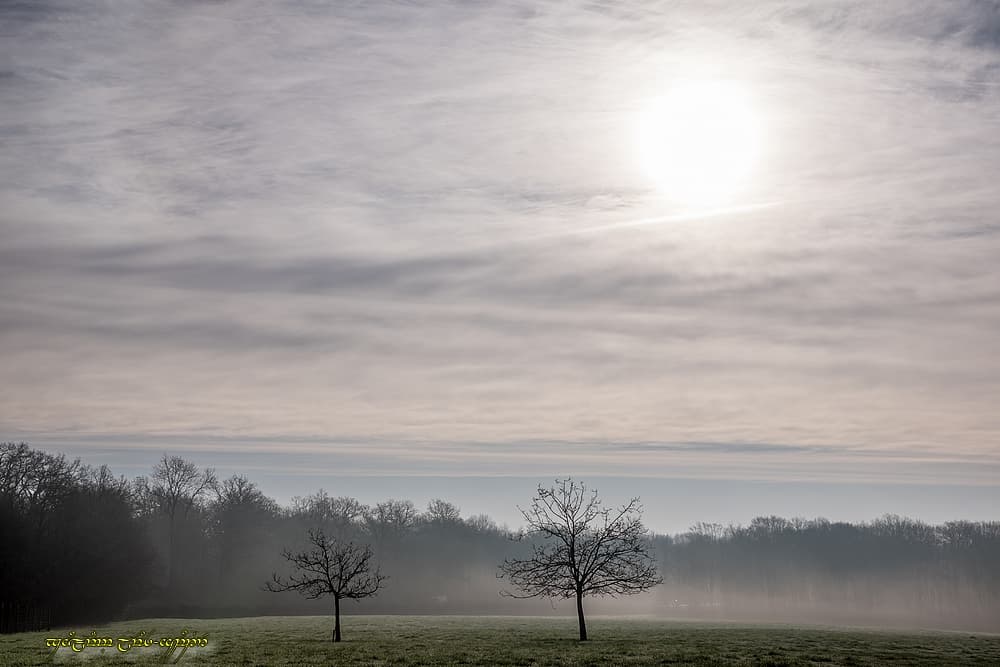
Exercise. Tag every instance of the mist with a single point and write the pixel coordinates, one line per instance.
(83, 546)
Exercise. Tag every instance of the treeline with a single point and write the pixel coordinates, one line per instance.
(72, 543)
(80, 545)
(890, 570)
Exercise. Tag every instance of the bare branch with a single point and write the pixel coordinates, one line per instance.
(343, 570)
(581, 547)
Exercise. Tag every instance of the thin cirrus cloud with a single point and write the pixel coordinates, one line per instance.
(415, 236)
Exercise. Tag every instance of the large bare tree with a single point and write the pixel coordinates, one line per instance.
(340, 517)
(241, 516)
(580, 548)
(330, 567)
(176, 487)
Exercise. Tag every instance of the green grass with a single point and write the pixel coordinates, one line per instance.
(504, 640)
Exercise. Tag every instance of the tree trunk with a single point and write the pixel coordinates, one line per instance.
(579, 612)
(336, 622)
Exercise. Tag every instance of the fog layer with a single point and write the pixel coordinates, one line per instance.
(81, 545)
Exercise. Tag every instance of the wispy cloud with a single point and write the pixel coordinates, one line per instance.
(425, 222)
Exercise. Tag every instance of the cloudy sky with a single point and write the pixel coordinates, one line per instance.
(377, 246)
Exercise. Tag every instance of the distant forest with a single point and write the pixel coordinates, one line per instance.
(80, 545)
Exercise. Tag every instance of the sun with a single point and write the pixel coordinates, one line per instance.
(700, 142)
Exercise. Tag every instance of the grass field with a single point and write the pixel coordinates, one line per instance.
(483, 640)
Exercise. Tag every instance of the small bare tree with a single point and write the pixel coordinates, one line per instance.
(331, 567)
(584, 549)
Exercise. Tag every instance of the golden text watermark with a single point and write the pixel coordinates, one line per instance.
(171, 648)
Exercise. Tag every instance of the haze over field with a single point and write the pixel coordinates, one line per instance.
(394, 248)
(180, 542)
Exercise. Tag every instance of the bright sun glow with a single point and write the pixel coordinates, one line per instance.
(700, 142)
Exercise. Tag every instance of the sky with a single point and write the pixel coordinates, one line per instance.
(396, 248)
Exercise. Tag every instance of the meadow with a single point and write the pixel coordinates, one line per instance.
(506, 640)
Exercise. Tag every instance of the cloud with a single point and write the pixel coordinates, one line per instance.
(416, 222)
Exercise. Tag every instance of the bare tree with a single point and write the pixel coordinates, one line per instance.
(585, 549)
(331, 567)
(482, 523)
(388, 521)
(177, 485)
(339, 516)
(240, 517)
(442, 512)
